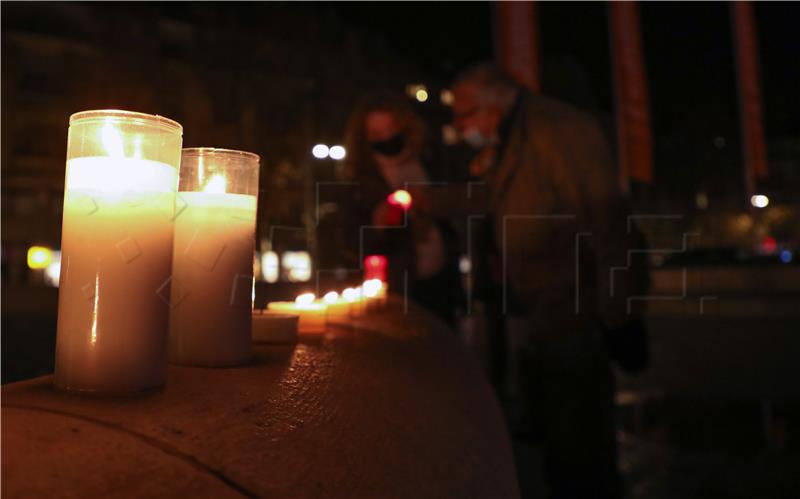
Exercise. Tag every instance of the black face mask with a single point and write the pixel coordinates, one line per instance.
(391, 146)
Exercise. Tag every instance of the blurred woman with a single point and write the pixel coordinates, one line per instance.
(385, 143)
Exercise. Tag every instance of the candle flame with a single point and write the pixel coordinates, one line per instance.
(331, 297)
(305, 299)
(400, 198)
(112, 141)
(350, 294)
(216, 184)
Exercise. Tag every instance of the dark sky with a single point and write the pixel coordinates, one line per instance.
(688, 51)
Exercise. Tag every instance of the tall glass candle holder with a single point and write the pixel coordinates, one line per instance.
(212, 269)
(116, 246)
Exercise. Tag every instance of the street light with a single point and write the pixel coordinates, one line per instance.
(759, 201)
(39, 257)
(337, 152)
(320, 151)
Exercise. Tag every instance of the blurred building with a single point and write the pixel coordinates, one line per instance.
(262, 77)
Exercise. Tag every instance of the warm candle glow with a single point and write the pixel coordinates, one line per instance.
(400, 198)
(116, 241)
(305, 299)
(210, 323)
(112, 141)
(372, 287)
(312, 314)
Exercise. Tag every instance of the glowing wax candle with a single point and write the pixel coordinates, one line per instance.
(119, 201)
(356, 301)
(400, 198)
(311, 313)
(338, 307)
(374, 293)
(210, 321)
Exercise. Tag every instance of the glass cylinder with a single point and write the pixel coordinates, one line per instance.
(116, 247)
(212, 267)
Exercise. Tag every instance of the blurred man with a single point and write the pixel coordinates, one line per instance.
(557, 225)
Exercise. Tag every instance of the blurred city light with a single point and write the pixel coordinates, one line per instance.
(337, 152)
(759, 201)
(417, 91)
(331, 297)
(786, 256)
(270, 267)
(446, 96)
(297, 266)
(769, 245)
(39, 257)
(450, 135)
(464, 264)
(701, 200)
(320, 151)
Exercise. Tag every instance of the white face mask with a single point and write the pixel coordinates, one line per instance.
(476, 139)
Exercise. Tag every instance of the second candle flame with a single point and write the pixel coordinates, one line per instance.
(216, 185)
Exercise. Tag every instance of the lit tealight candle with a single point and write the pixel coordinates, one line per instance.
(400, 198)
(353, 297)
(272, 327)
(337, 306)
(311, 313)
(373, 292)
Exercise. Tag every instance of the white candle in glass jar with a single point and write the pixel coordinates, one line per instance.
(114, 287)
(210, 323)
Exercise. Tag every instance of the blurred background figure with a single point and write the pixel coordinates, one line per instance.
(549, 177)
(385, 140)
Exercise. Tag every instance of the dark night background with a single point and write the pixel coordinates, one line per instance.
(277, 78)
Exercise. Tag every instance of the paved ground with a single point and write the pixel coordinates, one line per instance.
(387, 407)
(710, 436)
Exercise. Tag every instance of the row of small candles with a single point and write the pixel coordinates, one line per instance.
(157, 245)
(313, 314)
